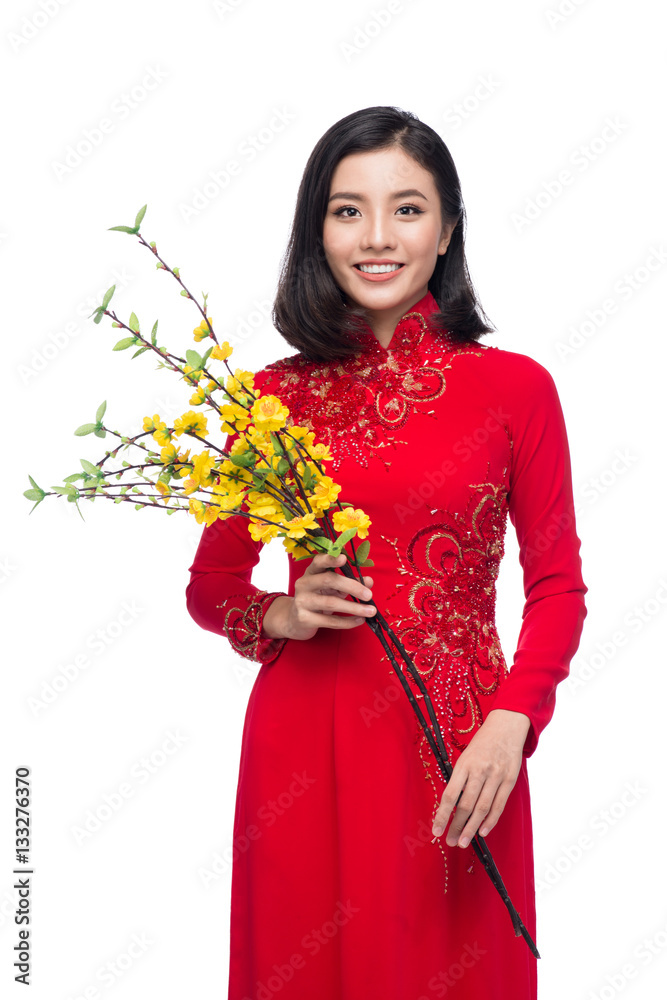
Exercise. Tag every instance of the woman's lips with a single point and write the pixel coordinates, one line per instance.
(384, 276)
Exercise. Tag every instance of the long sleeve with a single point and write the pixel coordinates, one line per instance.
(541, 508)
(220, 595)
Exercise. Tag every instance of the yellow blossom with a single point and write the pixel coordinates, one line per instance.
(269, 413)
(262, 532)
(198, 397)
(240, 382)
(149, 424)
(297, 527)
(233, 418)
(163, 489)
(350, 517)
(161, 435)
(201, 468)
(296, 550)
(221, 351)
(320, 452)
(168, 454)
(202, 512)
(191, 421)
(324, 493)
(202, 330)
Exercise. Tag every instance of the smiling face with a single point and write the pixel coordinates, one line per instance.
(383, 207)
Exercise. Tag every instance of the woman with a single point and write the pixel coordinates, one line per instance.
(345, 886)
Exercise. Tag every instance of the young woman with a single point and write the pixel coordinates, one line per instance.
(346, 888)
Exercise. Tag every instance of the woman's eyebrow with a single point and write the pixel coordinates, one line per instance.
(408, 193)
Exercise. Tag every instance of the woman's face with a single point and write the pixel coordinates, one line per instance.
(383, 206)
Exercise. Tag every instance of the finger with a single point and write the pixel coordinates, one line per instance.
(464, 810)
(464, 836)
(448, 801)
(496, 810)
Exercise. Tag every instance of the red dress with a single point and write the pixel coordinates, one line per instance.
(338, 892)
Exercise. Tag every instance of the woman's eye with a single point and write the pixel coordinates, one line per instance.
(351, 208)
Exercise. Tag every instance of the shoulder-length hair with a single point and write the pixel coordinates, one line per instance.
(309, 310)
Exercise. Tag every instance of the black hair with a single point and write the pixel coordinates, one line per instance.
(309, 310)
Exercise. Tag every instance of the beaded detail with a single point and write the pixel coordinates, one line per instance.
(451, 567)
(362, 400)
(244, 614)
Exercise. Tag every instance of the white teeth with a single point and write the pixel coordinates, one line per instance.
(378, 268)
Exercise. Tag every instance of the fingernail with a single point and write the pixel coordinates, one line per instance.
(464, 841)
(437, 830)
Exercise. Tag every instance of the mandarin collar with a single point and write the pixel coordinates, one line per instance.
(425, 307)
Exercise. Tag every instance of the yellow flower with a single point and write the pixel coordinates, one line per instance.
(349, 517)
(163, 489)
(191, 421)
(241, 381)
(148, 424)
(201, 468)
(198, 397)
(234, 418)
(221, 351)
(324, 493)
(168, 454)
(202, 330)
(296, 550)
(261, 532)
(202, 512)
(161, 435)
(320, 452)
(182, 458)
(297, 527)
(269, 413)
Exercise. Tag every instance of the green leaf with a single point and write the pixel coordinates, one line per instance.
(194, 359)
(342, 539)
(140, 351)
(138, 506)
(118, 500)
(33, 482)
(107, 297)
(73, 478)
(126, 342)
(85, 429)
(140, 216)
(369, 562)
(99, 313)
(134, 323)
(363, 550)
(100, 432)
(122, 229)
(183, 292)
(176, 271)
(283, 466)
(66, 491)
(206, 356)
(101, 410)
(34, 495)
(154, 334)
(93, 470)
(277, 443)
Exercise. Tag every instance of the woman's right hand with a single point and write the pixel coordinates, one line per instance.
(317, 594)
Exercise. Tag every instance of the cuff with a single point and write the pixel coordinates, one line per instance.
(244, 615)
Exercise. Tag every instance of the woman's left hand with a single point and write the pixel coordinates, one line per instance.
(486, 772)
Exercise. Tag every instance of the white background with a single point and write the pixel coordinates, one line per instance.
(534, 92)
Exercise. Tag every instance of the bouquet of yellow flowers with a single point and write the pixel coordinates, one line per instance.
(273, 475)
